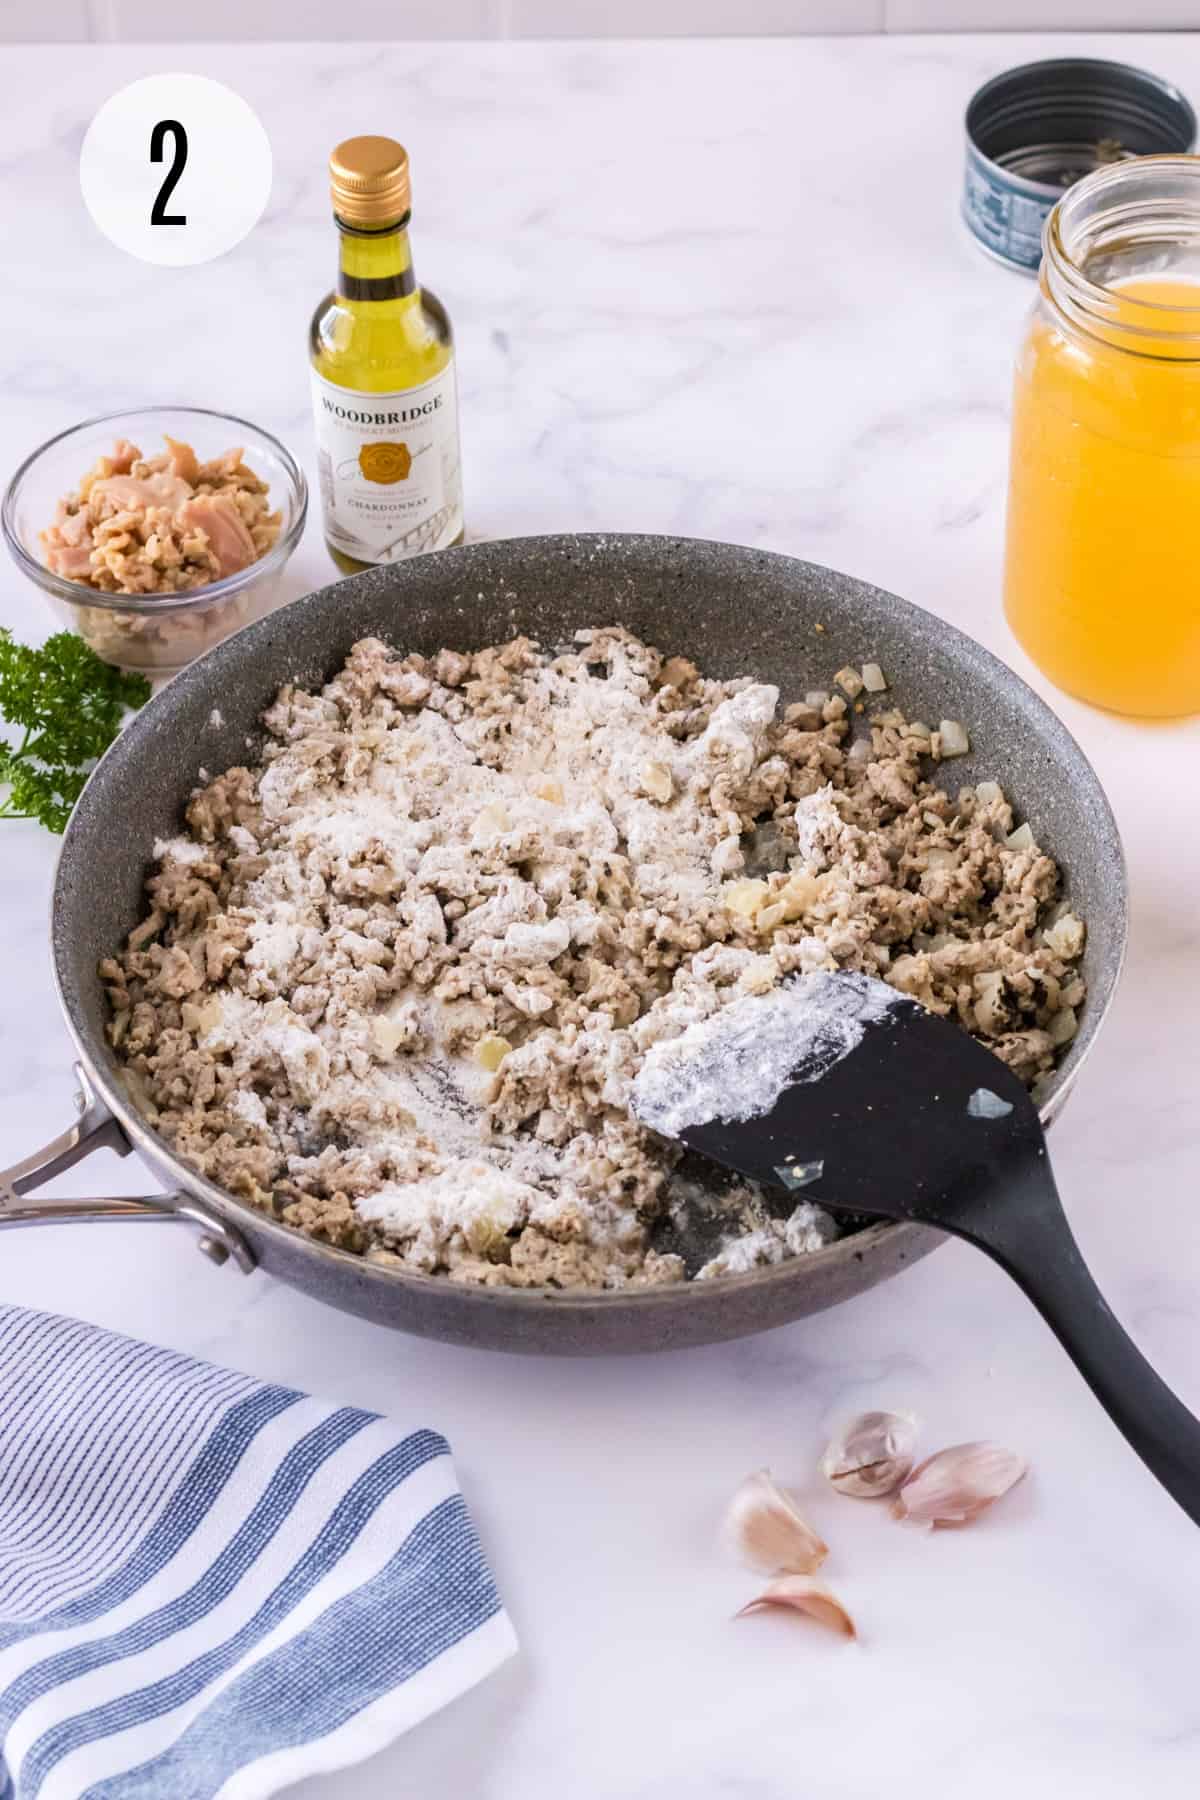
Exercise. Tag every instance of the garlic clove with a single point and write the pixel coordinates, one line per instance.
(764, 1526)
(871, 1455)
(799, 1593)
(957, 1484)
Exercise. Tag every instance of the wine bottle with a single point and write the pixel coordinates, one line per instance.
(385, 401)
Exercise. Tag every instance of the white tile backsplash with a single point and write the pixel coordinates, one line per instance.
(50, 22)
(1041, 15)
(689, 18)
(166, 21)
(150, 21)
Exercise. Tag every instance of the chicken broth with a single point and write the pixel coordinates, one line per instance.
(1102, 517)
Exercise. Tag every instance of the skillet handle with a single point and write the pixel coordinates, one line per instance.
(1024, 1229)
(96, 1129)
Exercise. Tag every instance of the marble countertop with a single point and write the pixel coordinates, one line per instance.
(716, 288)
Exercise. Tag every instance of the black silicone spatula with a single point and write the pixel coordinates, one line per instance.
(865, 1102)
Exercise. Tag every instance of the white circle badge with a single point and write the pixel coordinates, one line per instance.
(175, 169)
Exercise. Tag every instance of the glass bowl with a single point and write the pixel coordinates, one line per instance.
(156, 634)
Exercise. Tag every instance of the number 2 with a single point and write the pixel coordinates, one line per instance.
(158, 138)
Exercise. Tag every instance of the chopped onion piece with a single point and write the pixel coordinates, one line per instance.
(873, 678)
(1062, 1027)
(1065, 936)
(955, 741)
(1020, 839)
(850, 680)
(989, 791)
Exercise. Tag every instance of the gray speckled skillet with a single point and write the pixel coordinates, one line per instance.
(737, 612)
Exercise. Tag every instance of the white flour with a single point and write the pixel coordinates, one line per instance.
(181, 850)
(736, 1065)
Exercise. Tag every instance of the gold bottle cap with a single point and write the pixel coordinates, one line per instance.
(368, 178)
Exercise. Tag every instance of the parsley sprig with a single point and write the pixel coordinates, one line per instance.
(63, 707)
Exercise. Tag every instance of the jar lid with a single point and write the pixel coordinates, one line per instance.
(368, 179)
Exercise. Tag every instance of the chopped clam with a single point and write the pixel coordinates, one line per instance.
(850, 681)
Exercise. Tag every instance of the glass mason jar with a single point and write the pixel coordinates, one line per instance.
(1102, 568)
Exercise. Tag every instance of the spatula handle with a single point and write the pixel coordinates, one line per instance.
(1025, 1230)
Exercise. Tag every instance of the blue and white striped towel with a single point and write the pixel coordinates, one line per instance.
(210, 1586)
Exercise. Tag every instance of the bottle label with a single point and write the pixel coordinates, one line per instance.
(391, 484)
